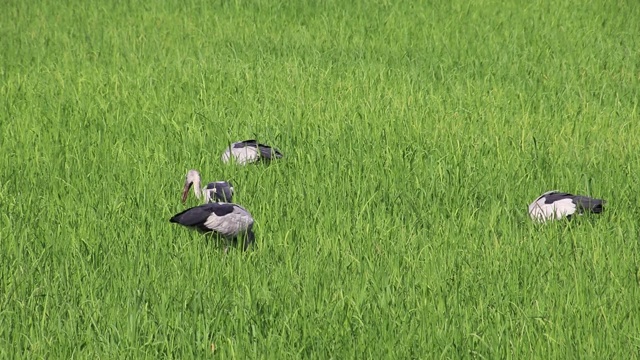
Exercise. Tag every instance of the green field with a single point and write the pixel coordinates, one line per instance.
(415, 136)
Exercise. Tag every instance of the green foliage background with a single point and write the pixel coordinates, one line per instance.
(415, 135)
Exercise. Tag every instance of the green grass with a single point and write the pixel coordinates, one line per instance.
(415, 136)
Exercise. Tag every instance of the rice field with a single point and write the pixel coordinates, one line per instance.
(414, 135)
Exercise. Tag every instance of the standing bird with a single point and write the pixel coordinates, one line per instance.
(250, 151)
(554, 205)
(230, 221)
(219, 191)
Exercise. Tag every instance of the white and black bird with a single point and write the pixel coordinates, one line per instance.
(218, 191)
(250, 151)
(555, 205)
(230, 221)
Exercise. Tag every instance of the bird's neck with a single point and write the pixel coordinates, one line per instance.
(196, 189)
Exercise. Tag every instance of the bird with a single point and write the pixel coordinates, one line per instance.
(218, 191)
(231, 221)
(555, 205)
(250, 151)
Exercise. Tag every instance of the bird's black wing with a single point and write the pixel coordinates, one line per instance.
(223, 190)
(585, 203)
(269, 152)
(197, 216)
(245, 143)
(266, 151)
(192, 216)
(556, 196)
(220, 209)
(218, 185)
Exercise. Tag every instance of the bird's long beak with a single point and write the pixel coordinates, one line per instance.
(185, 192)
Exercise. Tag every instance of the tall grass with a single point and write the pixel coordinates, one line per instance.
(415, 135)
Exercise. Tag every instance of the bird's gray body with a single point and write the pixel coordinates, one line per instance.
(249, 151)
(554, 205)
(219, 191)
(231, 221)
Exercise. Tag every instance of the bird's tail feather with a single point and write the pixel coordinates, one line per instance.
(270, 153)
(590, 204)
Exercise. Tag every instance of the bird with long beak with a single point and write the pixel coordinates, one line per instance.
(250, 151)
(218, 191)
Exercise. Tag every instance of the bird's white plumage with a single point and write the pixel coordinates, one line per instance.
(242, 156)
(232, 224)
(540, 211)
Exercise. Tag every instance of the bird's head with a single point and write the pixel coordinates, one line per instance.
(192, 179)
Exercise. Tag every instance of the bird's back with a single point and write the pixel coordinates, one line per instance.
(219, 191)
(237, 221)
(556, 205)
(249, 151)
(224, 218)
